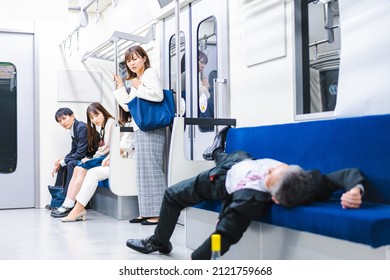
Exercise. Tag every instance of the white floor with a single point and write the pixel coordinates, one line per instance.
(32, 234)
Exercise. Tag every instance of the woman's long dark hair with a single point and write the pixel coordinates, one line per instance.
(136, 51)
(92, 136)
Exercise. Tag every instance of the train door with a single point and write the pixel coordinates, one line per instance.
(204, 69)
(17, 176)
(210, 64)
(183, 56)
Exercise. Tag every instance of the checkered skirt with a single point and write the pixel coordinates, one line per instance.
(150, 178)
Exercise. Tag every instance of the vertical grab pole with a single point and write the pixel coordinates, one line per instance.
(116, 73)
(217, 113)
(177, 37)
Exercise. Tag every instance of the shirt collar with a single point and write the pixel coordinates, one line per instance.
(70, 131)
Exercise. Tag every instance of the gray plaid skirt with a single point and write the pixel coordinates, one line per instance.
(150, 178)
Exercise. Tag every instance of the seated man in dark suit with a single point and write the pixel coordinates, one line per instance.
(64, 166)
(247, 187)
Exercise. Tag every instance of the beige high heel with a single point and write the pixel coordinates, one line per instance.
(81, 216)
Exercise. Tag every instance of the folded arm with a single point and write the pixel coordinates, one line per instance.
(352, 198)
(351, 180)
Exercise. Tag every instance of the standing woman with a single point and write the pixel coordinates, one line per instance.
(149, 145)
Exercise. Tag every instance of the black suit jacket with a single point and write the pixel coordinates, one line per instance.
(327, 184)
(79, 142)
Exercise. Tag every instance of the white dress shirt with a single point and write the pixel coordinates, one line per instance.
(249, 174)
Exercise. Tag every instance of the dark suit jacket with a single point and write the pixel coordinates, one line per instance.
(327, 184)
(79, 142)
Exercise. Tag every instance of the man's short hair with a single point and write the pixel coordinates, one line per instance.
(295, 187)
(63, 112)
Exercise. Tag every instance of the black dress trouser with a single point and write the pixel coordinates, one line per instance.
(64, 175)
(232, 221)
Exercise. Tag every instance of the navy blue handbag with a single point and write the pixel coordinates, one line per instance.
(57, 195)
(150, 115)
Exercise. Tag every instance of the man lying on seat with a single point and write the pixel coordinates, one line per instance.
(247, 188)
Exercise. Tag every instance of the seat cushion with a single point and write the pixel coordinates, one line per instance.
(368, 225)
(104, 184)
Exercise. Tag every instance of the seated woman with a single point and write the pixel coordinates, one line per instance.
(99, 173)
(97, 115)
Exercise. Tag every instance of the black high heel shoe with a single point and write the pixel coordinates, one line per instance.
(137, 220)
(218, 145)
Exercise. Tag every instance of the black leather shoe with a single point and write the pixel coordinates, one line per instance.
(61, 212)
(218, 144)
(147, 246)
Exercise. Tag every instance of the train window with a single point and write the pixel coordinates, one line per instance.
(317, 55)
(207, 69)
(172, 69)
(8, 116)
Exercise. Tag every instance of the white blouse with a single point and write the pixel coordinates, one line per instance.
(150, 89)
(105, 149)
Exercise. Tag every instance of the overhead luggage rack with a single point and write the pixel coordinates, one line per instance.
(119, 42)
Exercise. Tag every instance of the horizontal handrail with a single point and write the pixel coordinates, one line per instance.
(209, 121)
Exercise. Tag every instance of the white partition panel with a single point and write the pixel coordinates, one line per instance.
(122, 170)
(180, 168)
